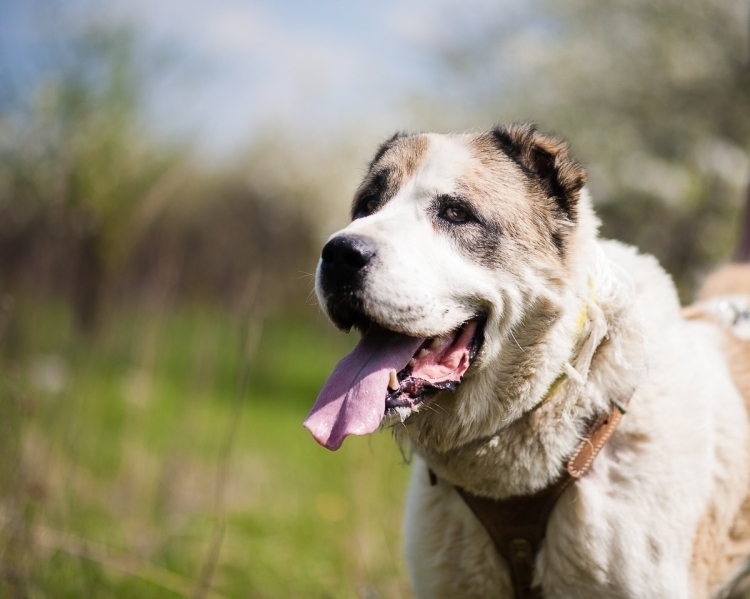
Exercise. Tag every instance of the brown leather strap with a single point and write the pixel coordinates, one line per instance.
(517, 525)
(601, 431)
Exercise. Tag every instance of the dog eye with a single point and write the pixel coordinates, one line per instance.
(366, 207)
(456, 214)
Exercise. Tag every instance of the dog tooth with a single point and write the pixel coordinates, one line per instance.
(393, 381)
(436, 342)
(412, 362)
(422, 353)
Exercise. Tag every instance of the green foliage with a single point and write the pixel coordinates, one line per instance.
(81, 145)
(94, 205)
(75, 166)
(111, 464)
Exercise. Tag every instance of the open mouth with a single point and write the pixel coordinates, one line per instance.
(387, 374)
(438, 365)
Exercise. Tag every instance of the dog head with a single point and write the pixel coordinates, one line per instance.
(458, 267)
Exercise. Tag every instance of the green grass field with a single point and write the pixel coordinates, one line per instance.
(136, 463)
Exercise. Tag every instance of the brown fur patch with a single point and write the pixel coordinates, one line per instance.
(737, 547)
(720, 547)
(395, 161)
(513, 209)
(500, 197)
(731, 279)
(546, 158)
(550, 175)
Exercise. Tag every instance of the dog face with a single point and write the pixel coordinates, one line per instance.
(455, 241)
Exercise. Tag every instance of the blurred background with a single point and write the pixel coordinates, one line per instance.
(168, 173)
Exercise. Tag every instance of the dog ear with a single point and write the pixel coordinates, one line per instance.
(545, 159)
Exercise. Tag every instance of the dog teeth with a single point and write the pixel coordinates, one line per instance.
(393, 381)
(422, 353)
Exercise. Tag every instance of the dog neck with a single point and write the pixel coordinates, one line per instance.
(591, 330)
(543, 419)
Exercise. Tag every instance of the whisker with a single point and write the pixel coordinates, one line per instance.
(516, 340)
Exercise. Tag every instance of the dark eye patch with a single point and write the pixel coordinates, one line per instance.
(372, 196)
(454, 210)
(474, 234)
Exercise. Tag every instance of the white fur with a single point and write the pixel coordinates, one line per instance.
(628, 528)
(625, 530)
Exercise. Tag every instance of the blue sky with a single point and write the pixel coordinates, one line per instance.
(252, 66)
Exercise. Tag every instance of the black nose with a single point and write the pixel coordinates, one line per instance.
(347, 253)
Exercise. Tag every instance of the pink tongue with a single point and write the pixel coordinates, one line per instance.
(352, 402)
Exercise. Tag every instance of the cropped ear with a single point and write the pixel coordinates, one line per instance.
(545, 159)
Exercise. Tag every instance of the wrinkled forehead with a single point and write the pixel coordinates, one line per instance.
(469, 166)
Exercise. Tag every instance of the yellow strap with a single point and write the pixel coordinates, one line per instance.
(579, 329)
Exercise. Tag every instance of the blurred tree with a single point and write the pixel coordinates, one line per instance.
(654, 96)
(93, 204)
(76, 164)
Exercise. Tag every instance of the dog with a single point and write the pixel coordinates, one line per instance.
(496, 327)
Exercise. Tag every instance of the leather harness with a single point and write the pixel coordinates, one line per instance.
(517, 525)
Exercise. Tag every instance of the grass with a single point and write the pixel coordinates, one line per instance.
(133, 464)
